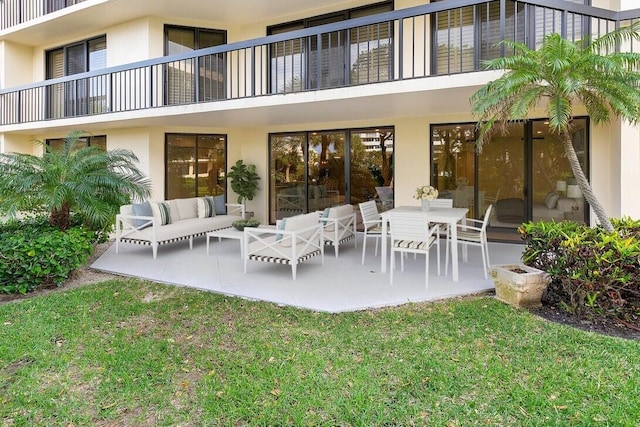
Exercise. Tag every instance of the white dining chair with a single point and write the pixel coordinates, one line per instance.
(474, 233)
(410, 233)
(372, 224)
(444, 228)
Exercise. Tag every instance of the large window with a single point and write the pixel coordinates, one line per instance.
(338, 58)
(525, 174)
(199, 78)
(83, 96)
(196, 165)
(310, 171)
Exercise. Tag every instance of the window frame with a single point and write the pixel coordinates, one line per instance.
(196, 30)
(168, 135)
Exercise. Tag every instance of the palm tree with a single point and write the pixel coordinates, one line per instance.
(560, 75)
(88, 181)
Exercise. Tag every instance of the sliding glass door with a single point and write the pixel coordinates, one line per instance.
(310, 171)
(524, 174)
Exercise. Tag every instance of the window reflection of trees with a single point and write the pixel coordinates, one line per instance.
(195, 165)
(300, 183)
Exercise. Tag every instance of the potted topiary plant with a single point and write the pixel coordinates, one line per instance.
(244, 181)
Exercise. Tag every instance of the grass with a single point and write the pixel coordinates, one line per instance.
(132, 353)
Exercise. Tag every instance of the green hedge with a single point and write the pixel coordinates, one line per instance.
(594, 272)
(34, 254)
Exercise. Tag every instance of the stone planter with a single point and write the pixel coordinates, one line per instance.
(519, 285)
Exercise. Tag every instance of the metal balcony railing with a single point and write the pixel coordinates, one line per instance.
(434, 39)
(15, 12)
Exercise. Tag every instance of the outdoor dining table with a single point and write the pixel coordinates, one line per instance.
(450, 216)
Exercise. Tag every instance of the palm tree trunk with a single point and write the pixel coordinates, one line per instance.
(584, 185)
(60, 217)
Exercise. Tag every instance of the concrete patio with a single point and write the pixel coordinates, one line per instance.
(341, 285)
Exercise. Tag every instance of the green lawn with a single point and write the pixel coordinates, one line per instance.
(135, 353)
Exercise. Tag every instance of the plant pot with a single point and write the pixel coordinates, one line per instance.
(425, 205)
(242, 227)
(519, 285)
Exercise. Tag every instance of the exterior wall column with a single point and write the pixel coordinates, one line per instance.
(251, 145)
(629, 171)
(411, 158)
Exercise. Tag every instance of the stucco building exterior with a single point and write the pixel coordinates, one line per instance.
(329, 99)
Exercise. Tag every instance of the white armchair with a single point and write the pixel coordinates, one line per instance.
(474, 233)
(299, 239)
(339, 226)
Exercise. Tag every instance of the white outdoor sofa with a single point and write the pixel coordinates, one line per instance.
(188, 219)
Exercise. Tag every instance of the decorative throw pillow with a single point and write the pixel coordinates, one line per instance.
(142, 209)
(280, 225)
(551, 200)
(546, 198)
(206, 207)
(220, 204)
(161, 212)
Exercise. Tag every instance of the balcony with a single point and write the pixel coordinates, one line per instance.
(16, 12)
(416, 43)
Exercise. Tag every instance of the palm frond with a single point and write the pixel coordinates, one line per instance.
(88, 180)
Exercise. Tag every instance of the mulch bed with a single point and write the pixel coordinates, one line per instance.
(603, 325)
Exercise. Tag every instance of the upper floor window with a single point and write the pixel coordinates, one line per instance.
(188, 39)
(204, 74)
(87, 55)
(53, 5)
(337, 58)
(83, 96)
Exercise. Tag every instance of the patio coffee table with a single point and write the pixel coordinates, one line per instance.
(227, 233)
(231, 233)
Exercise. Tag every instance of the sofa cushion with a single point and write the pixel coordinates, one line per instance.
(206, 207)
(299, 222)
(338, 212)
(566, 204)
(184, 209)
(187, 227)
(161, 212)
(551, 199)
(126, 210)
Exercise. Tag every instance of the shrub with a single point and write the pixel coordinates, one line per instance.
(34, 254)
(594, 272)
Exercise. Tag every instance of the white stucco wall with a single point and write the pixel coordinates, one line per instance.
(120, 46)
(17, 143)
(628, 196)
(15, 64)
